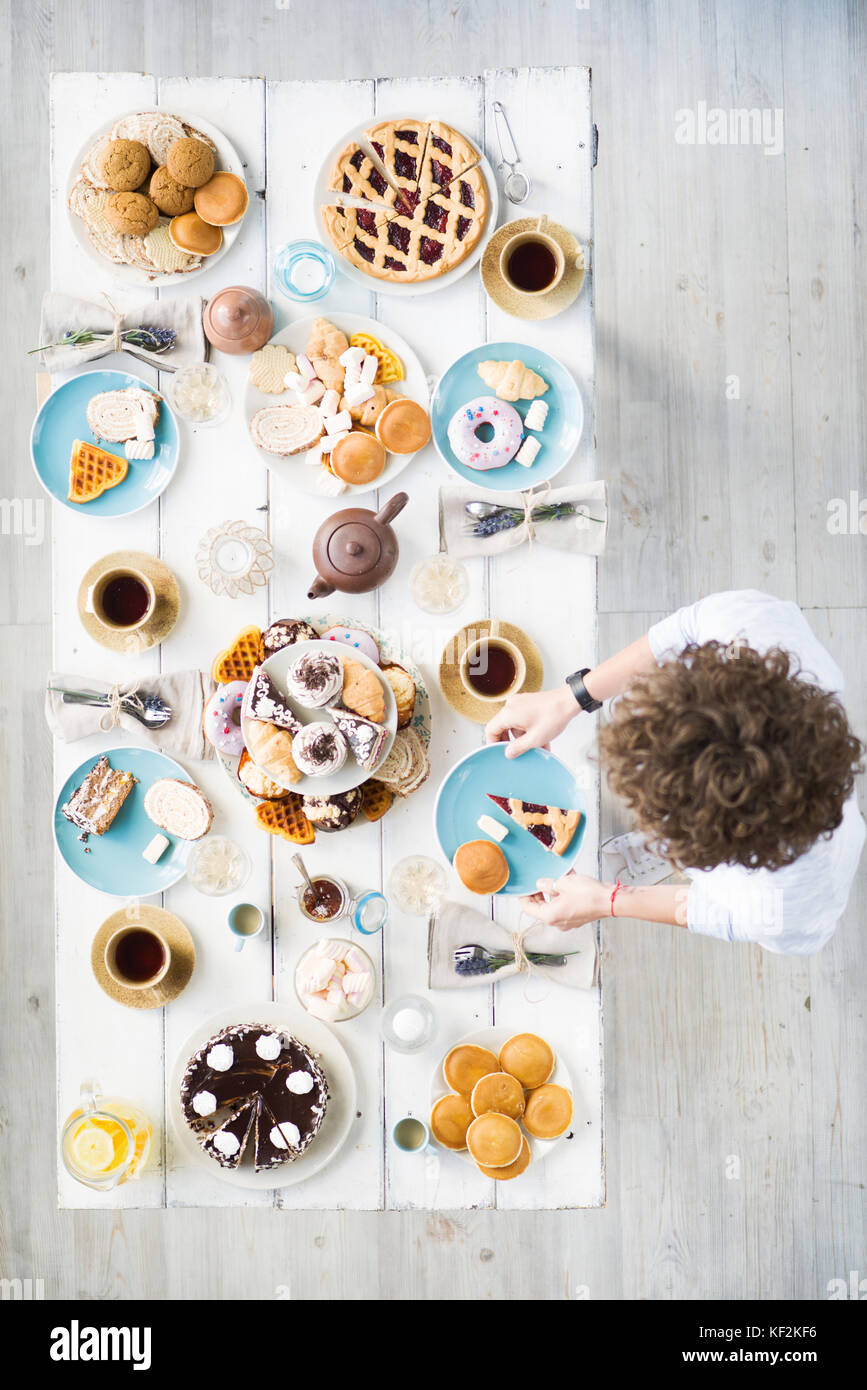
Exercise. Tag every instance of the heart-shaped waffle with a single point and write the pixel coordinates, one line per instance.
(287, 819)
(92, 470)
(376, 799)
(238, 661)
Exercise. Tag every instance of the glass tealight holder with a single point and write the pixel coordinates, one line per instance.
(408, 1024)
(439, 584)
(200, 394)
(304, 271)
(217, 865)
(234, 558)
(418, 885)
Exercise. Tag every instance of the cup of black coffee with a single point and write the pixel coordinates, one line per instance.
(122, 599)
(532, 262)
(137, 957)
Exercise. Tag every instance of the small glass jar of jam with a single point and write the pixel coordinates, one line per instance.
(324, 899)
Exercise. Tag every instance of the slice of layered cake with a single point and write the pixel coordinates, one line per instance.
(94, 805)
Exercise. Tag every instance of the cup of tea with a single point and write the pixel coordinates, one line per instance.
(137, 957)
(411, 1136)
(492, 668)
(532, 262)
(122, 599)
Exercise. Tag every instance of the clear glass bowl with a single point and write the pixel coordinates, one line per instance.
(217, 865)
(439, 584)
(200, 394)
(319, 1008)
(410, 1009)
(304, 271)
(417, 885)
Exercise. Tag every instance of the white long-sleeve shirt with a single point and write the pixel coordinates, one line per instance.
(792, 910)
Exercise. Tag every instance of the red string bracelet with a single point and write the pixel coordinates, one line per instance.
(617, 887)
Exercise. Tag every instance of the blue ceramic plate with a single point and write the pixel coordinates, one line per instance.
(63, 418)
(563, 426)
(114, 864)
(536, 776)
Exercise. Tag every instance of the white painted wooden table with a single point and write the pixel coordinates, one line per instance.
(285, 128)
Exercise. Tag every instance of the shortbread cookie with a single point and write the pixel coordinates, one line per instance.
(269, 366)
(107, 241)
(165, 255)
(135, 253)
(86, 201)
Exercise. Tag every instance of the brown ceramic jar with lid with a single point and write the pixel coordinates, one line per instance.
(238, 320)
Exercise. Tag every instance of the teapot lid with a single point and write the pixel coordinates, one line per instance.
(235, 312)
(354, 548)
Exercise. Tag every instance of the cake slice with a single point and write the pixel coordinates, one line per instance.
(262, 700)
(365, 739)
(94, 805)
(179, 808)
(552, 826)
(227, 1144)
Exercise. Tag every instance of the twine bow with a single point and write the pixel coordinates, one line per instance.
(116, 696)
(530, 500)
(525, 965)
(117, 325)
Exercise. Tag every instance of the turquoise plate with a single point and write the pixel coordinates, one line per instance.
(536, 776)
(114, 864)
(563, 426)
(63, 418)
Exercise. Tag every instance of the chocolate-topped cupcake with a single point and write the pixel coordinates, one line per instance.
(333, 812)
(319, 749)
(315, 679)
(285, 632)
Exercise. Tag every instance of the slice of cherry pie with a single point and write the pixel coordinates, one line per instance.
(448, 156)
(356, 175)
(552, 826)
(400, 147)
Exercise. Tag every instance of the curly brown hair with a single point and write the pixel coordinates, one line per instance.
(731, 760)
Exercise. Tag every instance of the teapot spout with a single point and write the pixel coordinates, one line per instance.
(320, 588)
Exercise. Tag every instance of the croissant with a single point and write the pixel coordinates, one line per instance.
(512, 381)
(324, 346)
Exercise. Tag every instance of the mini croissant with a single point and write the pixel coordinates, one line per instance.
(512, 381)
(324, 346)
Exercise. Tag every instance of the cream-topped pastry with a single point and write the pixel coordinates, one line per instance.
(319, 749)
(315, 679)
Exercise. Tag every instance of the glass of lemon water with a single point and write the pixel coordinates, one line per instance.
(105, 1140)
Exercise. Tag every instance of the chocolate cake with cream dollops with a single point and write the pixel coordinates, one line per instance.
(254, 1089)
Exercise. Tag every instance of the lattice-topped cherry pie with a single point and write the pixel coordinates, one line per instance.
(552, 826)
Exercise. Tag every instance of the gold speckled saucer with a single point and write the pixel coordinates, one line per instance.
(542, 306)
(161, 621)
(180, 944)
(480, 711)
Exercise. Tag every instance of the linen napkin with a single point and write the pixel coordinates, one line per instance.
(455, 924)
(63, 313)
(585, 531)
(186, 692)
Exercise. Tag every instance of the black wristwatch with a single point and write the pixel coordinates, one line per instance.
(576, 684)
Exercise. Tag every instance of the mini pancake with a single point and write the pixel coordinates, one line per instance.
(189, 233)
(549, 1112)
(494, 1141)
(403, 426)
(465, 1065)
(481, 866)
(510, 1170)
(527, 1057)
(500, 1092)
(450, 1119)
(358, 458)
(223, 199)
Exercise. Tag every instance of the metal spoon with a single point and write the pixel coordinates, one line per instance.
(517, 185)
(484, 509)
(300, 866)
(149, 710)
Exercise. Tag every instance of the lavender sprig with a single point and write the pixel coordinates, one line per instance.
(152, 339)
(507, 518)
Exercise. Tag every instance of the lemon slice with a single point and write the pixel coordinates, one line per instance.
(93, 1149)
(390, 366)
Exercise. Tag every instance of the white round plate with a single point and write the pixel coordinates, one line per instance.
(493, 1039)
(322, 195)
(322, 622)
(304, 470)
(351, 774)
(341, 1086)
(227, 158)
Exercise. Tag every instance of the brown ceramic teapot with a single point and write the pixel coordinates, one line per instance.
(238, 320)
(356, 550)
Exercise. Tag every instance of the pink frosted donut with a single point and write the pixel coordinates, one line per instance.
(496, 452)
(222, 719)
(353, 637)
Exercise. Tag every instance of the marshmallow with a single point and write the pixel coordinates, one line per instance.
(335, 997)
(369, 368)
(330, 403)
(313, 392)
(492, 827)
(356, 393)
(328, 441)
(330, 946)
(144, 426)
(305, 366)
(352, 359)
(526, 455)
(139, 448)
(355, 983)
(320, 974)
(328, 484)
(339, 423)
(158, 845)
(536, 415)
(295, 381)
(355, 960)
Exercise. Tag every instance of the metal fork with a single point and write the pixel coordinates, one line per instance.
(481, 953)
(149, 710)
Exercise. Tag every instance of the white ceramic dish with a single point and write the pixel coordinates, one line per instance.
(351, 774)
(341, 1086)
(304, 470)
(227, 158)
(322, 196)
(493, 1039)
